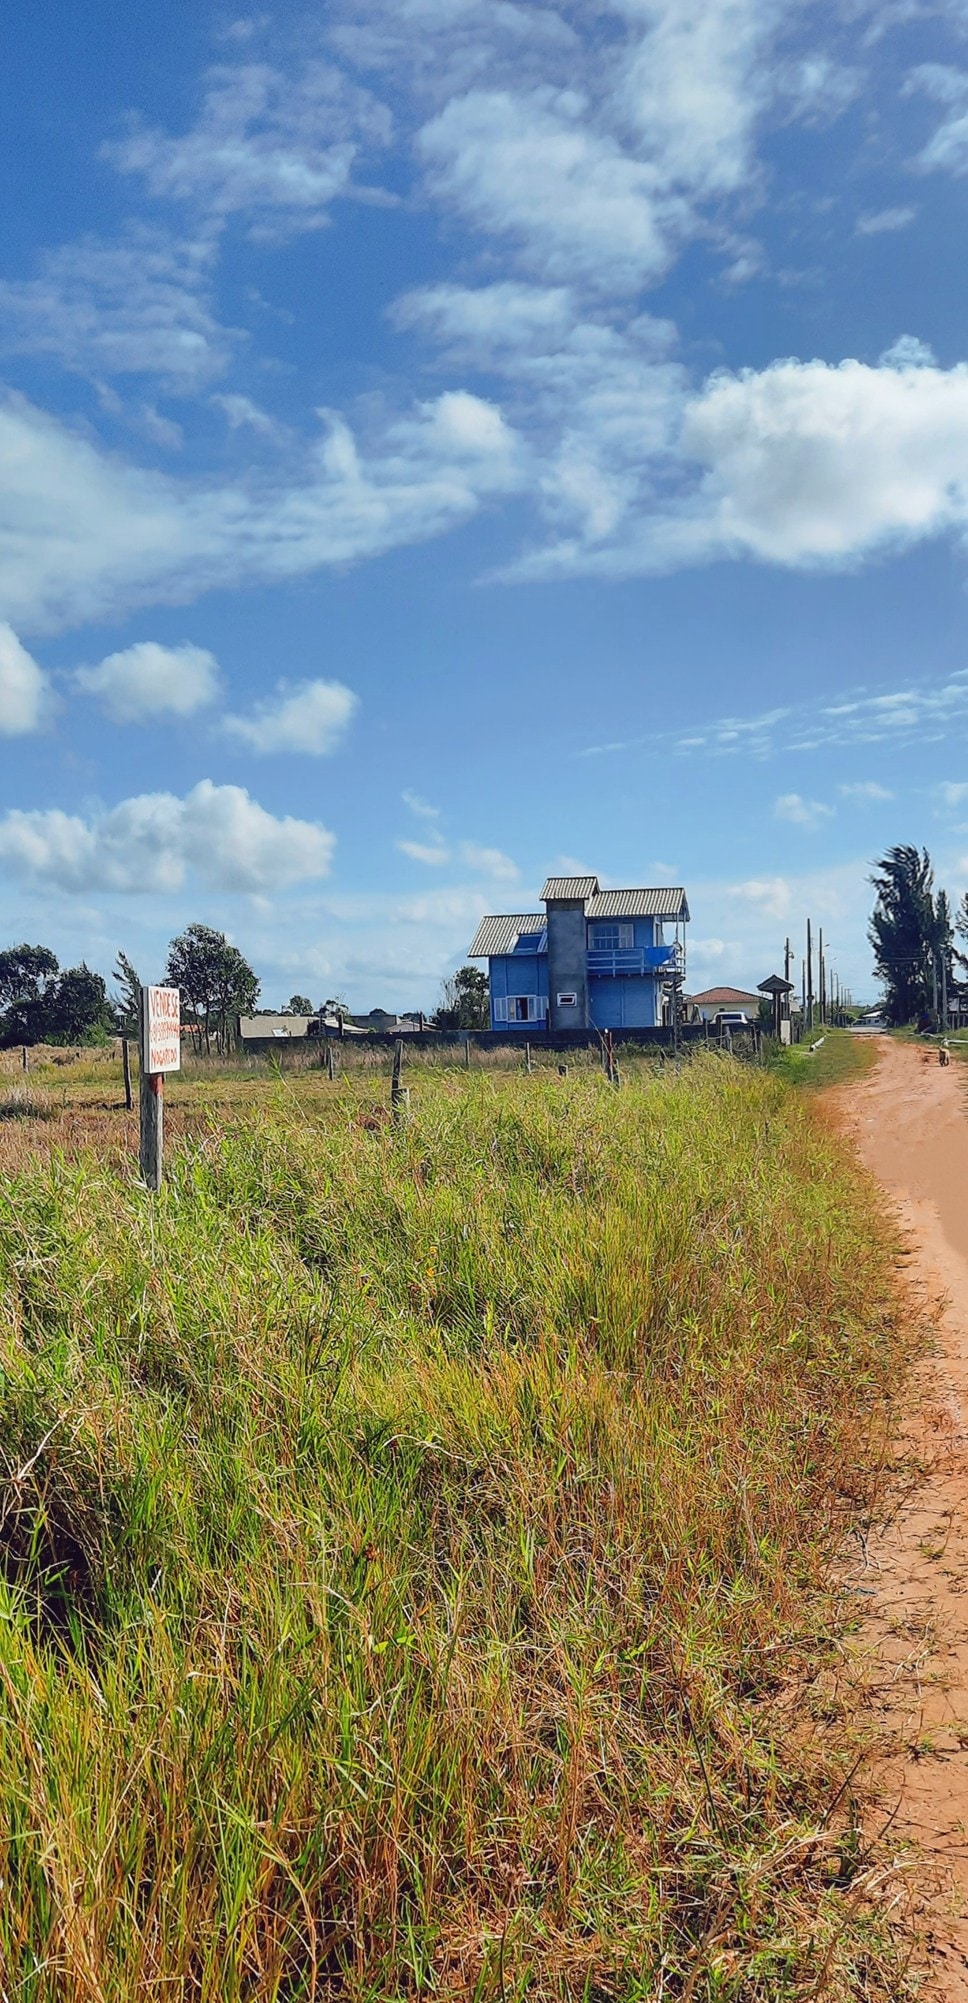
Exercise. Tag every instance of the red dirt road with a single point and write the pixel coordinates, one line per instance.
(909, 1120)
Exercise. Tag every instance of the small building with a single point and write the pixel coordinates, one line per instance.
(713, 1001)
(592, 959)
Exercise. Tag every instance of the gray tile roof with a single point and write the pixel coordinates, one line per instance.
(569, 886)
(665, 902)
(500, 933)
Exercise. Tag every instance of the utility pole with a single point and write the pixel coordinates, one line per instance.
(786, 961)
(809, 976)
(944, 991)
(821, 979)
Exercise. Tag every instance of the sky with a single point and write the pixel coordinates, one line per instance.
(449, 442)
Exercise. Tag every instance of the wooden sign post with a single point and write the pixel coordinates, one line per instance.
(160, 1047)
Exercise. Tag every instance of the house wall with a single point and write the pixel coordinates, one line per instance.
(629, 1003)
(519, 974)
(567, 963)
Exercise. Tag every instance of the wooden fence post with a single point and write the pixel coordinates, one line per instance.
(152, 1126)
(399, 1098)
(126, 1070)
(527, 1058)
(330, 1062)
(24, 1059)
(467, 1053)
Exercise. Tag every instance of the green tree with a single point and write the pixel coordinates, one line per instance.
(298, 1005)
(903, 932)
(464, 1001)
(214, 979)
(127, 1001)
(27, 974)
(77, 1009)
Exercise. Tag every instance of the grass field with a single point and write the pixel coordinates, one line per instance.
(840, 1056)
(415, 1544)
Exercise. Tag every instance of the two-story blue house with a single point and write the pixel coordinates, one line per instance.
(593, 959)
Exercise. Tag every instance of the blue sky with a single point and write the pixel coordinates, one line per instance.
(443, 441)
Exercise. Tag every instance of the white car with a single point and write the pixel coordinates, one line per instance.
(731, 1018)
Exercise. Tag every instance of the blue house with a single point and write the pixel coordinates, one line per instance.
(591, 959)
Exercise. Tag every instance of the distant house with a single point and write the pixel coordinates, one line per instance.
(592, 958)
(262, 1031)
(713, 1001)
(384, 1023)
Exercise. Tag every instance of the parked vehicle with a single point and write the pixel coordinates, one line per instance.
(731, 1018)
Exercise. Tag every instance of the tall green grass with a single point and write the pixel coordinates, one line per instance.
(414, 1551)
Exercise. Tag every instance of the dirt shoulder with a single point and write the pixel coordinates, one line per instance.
(909, 1120)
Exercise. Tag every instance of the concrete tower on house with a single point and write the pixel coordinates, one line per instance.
(593, 959)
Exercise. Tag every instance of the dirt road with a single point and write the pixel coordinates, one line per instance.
(909, 1119)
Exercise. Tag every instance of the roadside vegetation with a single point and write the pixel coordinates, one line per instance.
(415, 1547)
(841, 1055)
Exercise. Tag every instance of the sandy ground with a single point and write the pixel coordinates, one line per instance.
(909, 1119)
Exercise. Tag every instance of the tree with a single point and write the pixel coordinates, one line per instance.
(903, 932)
(215, 980)
(26, 975)
(464, 1002)
(298, 1005)
(77, 1009)
(338, 1006)
(127, 1001)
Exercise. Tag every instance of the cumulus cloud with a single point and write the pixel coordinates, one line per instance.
(801, 813)
(147, 681)
(804, 464)
(25, 697)
(311, 718)
(153, 841)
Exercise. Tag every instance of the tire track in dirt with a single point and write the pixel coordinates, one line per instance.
(909, 1121)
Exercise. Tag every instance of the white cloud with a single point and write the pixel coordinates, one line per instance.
(151, 843)
(146, 681)
(865, 789)
(422, 808)
(770, 894)
(276, 147)
(530, 168)
(490, 862)
(242, 414)
(948, 146)
(951, 792)
(310, 718)
(433, 854)
(801, 813)
(85, 534)
(25, 698)
(695, 85)
(878, 222)
(138, 305)
(803, 464)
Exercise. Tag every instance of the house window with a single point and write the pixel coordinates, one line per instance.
(529, 942)
(612, 938)
(519, 1008)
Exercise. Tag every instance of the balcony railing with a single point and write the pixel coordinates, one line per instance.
(634, 960)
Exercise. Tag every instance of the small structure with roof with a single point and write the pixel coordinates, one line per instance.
(779, 992)
(592, 959)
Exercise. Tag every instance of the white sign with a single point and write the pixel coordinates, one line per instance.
(569, 1000)
(161, 1029)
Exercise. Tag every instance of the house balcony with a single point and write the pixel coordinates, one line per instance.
(653, 960)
